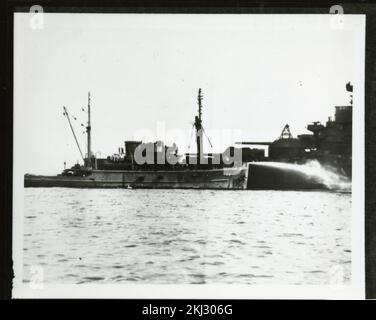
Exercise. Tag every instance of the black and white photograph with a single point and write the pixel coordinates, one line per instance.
(188, 155)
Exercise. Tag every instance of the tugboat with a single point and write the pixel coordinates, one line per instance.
(150, 165)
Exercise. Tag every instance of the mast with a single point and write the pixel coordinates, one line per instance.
(198, 126)
(88, 131)
(349, 88)
(199, 100)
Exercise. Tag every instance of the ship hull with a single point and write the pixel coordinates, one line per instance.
(226, 178)
(263, 177)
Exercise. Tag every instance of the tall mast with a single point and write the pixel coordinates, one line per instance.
(198, 126)
(349, 88)
(88, 129)
(199, 100)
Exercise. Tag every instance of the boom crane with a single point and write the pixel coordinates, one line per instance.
(74, 135)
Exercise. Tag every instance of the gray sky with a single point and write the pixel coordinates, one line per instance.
(257, 73)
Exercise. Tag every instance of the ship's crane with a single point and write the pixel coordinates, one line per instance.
(66, 114)
(87, 160)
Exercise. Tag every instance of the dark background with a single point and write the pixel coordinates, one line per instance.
(7, 8)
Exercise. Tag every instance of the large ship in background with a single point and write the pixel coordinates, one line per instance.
(192, 170)
(329, 145)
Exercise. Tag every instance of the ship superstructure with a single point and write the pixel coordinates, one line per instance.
(330, 143)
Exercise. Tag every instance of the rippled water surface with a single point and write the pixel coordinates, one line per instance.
(186, 236)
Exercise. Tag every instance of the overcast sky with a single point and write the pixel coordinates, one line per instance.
(257, 73)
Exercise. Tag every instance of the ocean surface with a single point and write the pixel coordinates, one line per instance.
(187, 236)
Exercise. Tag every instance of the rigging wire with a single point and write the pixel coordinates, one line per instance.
(211, 145)
(190, 139)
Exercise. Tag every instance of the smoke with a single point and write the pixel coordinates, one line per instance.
(313, 170)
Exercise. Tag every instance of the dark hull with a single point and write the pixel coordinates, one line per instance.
(263, 177)
(228, 178)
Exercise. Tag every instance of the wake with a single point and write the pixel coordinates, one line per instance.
(313, 170)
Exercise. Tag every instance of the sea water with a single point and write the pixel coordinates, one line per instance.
(186, 236)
